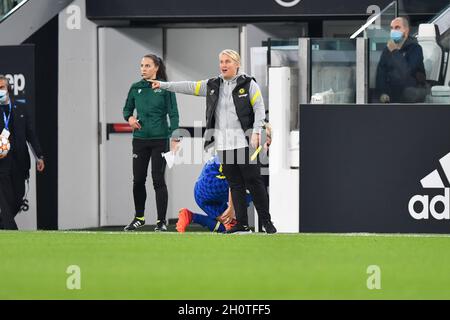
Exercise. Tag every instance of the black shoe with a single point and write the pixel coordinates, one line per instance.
(268, 227)
(160, 226)
(239, 229)
(135, 224)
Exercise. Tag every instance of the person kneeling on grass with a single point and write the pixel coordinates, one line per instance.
(212, 195)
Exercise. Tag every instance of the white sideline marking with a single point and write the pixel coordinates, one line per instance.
(147, 233)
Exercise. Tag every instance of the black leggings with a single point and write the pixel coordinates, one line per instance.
(242, 174)
(143, 150)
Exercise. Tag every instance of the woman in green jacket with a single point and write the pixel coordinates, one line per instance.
(151, 134)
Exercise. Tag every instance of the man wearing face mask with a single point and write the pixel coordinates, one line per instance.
(16, 126)
(401, 73)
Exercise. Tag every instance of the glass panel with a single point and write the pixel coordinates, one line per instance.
(333, 71)
(393, 85)
(376, 47)
(6, 6)
(379, 25)
(381, 28)
(283, 53)
(425, 81)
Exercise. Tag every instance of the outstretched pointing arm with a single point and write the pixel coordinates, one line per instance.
(196, 88)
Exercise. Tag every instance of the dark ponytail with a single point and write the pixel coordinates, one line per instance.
(161, 74)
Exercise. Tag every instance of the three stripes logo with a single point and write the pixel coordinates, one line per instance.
(421, 207)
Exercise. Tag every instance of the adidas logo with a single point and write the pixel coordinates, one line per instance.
(287, 4)
(421, 206)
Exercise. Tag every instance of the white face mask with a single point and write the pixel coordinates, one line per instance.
(3, 96)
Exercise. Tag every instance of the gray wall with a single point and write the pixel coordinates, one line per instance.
(78, 197)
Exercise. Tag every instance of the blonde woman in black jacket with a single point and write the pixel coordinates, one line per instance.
(235, 112)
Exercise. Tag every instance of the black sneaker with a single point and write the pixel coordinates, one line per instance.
(135, 224)
(160, 226)
(268, 227)
(239, 229)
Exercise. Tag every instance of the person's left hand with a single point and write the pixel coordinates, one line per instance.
(384, 98)
(256, 140)
(40, 165)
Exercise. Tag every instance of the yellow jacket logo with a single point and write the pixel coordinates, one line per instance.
(242, 93)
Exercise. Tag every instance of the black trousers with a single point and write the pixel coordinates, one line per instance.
(242, 174)
(8, 202)
(143, 151)
(19, 179)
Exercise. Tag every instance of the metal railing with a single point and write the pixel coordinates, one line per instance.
(7, 7)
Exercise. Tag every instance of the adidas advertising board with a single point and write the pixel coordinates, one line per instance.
(424, 207)
(375, 168)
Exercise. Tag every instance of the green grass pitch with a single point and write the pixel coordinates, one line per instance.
(147, 265)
